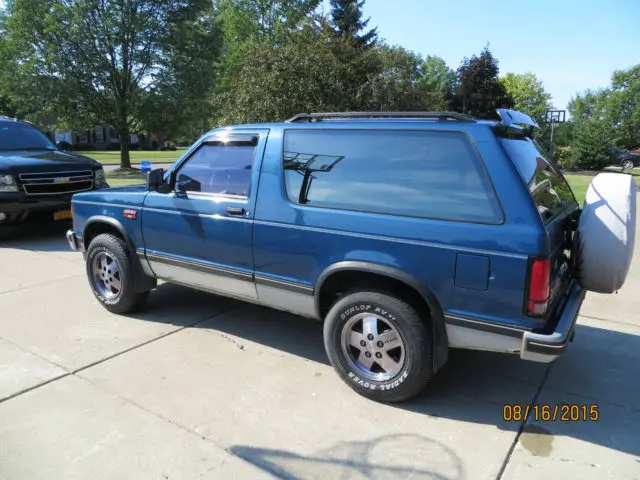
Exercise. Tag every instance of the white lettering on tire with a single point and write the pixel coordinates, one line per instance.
(386, 386)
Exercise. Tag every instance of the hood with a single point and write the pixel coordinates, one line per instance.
(43, 161)
(127, 188)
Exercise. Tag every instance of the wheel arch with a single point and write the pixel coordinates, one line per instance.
(99, 224)
(399, 277)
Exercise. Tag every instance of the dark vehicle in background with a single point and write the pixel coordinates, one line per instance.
(37, 179)
(624, 158)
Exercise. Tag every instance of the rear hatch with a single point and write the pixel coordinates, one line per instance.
(558, 209)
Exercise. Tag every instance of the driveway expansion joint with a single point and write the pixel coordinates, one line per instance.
(507, 458)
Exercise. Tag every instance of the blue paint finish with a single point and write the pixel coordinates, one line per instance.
(297, 243)
(198, 226)
(110, 202)
(472, 271)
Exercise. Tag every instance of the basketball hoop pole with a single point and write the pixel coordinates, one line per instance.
(554, 116)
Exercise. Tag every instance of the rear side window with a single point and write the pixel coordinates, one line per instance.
(409, 173)
(549, 189)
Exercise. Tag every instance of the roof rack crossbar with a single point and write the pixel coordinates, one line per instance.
(442, 116)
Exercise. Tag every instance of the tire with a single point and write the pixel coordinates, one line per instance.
(110, 275)
(412, 367)
(627, 164)
(606, 233)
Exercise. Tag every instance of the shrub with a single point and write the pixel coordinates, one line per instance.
(591, 143)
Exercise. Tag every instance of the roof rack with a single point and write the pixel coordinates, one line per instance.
(440, 116)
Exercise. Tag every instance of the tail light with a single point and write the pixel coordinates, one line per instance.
(539, 280)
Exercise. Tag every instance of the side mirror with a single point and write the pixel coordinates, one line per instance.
(155, 181)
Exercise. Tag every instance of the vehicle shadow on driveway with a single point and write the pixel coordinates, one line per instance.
(599, 368)
(369, 459)
(44, 237)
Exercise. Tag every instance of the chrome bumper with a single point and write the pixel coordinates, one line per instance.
(546, 348)
(75, 241)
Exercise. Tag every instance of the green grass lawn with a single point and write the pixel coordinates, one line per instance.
(113, 156)
(580, 183)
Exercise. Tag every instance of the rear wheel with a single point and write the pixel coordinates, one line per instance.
(379, 345)
(627, 164)
(110, 275)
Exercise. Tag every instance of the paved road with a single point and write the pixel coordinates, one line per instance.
(203, 387)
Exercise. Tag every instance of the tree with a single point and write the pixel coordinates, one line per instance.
(347, 22)
(623, 107)
(528, 94)
(269, 23)
(437, 80)
(588, 105)
(259, 20)
(479, 91)
(592, 139)
(394, 83)
(305, 74)
(101, 56)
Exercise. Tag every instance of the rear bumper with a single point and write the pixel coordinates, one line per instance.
(546, 348)
(75, 241)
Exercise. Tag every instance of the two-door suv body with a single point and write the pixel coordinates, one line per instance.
(407, 233)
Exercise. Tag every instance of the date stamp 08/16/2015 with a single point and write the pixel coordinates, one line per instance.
(561, 412)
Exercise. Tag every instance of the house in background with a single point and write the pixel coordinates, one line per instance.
(102, 137)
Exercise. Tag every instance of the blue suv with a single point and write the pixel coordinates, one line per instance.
(407, 234)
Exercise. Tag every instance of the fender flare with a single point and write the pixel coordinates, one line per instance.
(111, 222)
(143, 282)
(440, 338)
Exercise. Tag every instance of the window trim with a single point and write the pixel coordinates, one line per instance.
(500, 220)
(209, 141)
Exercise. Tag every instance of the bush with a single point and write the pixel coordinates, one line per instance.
(564, 158)
(591, 143)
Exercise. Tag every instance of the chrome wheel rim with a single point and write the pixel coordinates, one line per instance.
(627, 165)
(373, 347)
(106, 275)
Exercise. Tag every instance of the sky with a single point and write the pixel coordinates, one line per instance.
(571, 45)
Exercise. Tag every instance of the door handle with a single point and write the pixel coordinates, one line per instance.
(236, 211)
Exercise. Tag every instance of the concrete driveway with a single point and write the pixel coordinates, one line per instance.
(203, 387)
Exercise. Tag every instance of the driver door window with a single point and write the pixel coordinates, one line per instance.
(218, 169)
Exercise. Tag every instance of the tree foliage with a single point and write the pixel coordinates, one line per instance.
(528, 94)
(437, 80)
(606, 117)
(592, 139)
(347, 22)
(100, 56)
(305, 74)
(479, 90)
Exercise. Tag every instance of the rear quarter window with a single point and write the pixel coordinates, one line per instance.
(429, 174)
(547, 186)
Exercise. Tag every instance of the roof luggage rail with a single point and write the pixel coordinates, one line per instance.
(440, 116)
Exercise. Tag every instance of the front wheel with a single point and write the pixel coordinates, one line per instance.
(110, 275)
(379, 345)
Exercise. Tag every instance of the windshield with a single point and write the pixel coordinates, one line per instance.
(549, 189)
(22, 136)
